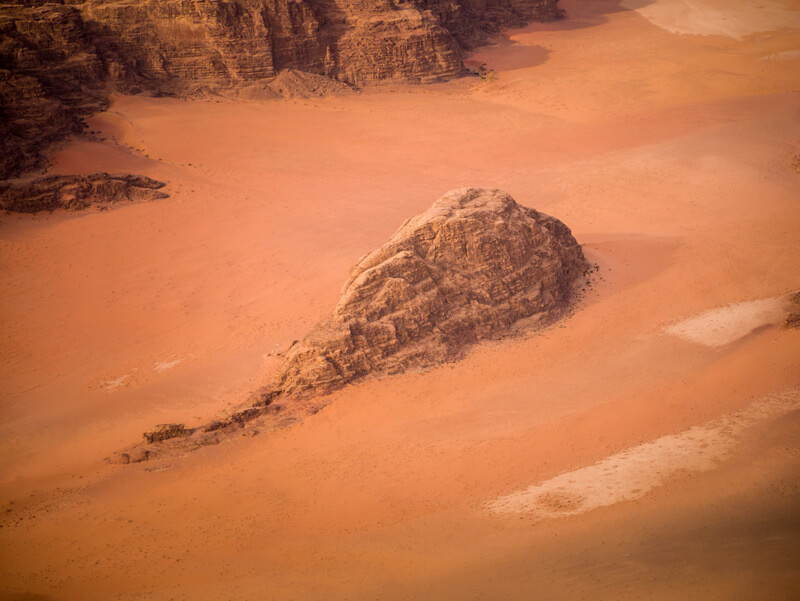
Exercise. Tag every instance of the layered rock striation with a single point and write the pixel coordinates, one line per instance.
(59, 60)
(51, 77)
(469, 268)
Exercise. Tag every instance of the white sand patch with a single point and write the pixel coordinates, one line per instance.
(630, 474)
(116, 383)
(724, 325)
(786, 55)
(160, 366)
(730, 18)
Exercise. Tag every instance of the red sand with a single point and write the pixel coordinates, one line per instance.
(669, 155)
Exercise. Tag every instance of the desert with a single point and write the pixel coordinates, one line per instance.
(644, 443)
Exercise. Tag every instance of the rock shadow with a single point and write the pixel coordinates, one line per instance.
(508, 55)
(579, 14)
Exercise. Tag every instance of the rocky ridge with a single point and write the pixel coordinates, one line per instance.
(76, 192)
(59, 60)
(474, 266)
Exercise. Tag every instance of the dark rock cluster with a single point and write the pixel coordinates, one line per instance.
(76, 192)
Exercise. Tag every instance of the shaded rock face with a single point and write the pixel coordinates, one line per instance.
(50, 78)
(58, 60)
(469, 268)
(470, 21)
(75, 192)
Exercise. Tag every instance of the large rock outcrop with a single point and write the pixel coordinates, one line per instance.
(59, 60)
(476, 265)
(471, 267)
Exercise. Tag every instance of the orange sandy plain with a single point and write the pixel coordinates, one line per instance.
(625, 453)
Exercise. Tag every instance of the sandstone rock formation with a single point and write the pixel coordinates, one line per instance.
(476, 265)
(58, 60)
(469, 268)
(165, 432)
(50, 78)
(75, 192)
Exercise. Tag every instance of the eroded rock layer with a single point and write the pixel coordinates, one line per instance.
(469, 268)
(58, 60)
(75, 192)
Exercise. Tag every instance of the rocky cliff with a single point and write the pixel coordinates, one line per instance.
(50, 78)
(58, 60)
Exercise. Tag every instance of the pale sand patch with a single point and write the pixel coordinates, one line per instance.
(724, 325)
(628, 475)
(731, 18)
(786, 55)
(160, 366)
(116, 382)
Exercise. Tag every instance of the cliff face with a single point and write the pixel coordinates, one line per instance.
(59, 59)
(50, 77)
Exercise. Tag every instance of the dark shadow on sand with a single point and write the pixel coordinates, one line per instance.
(579, 14)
